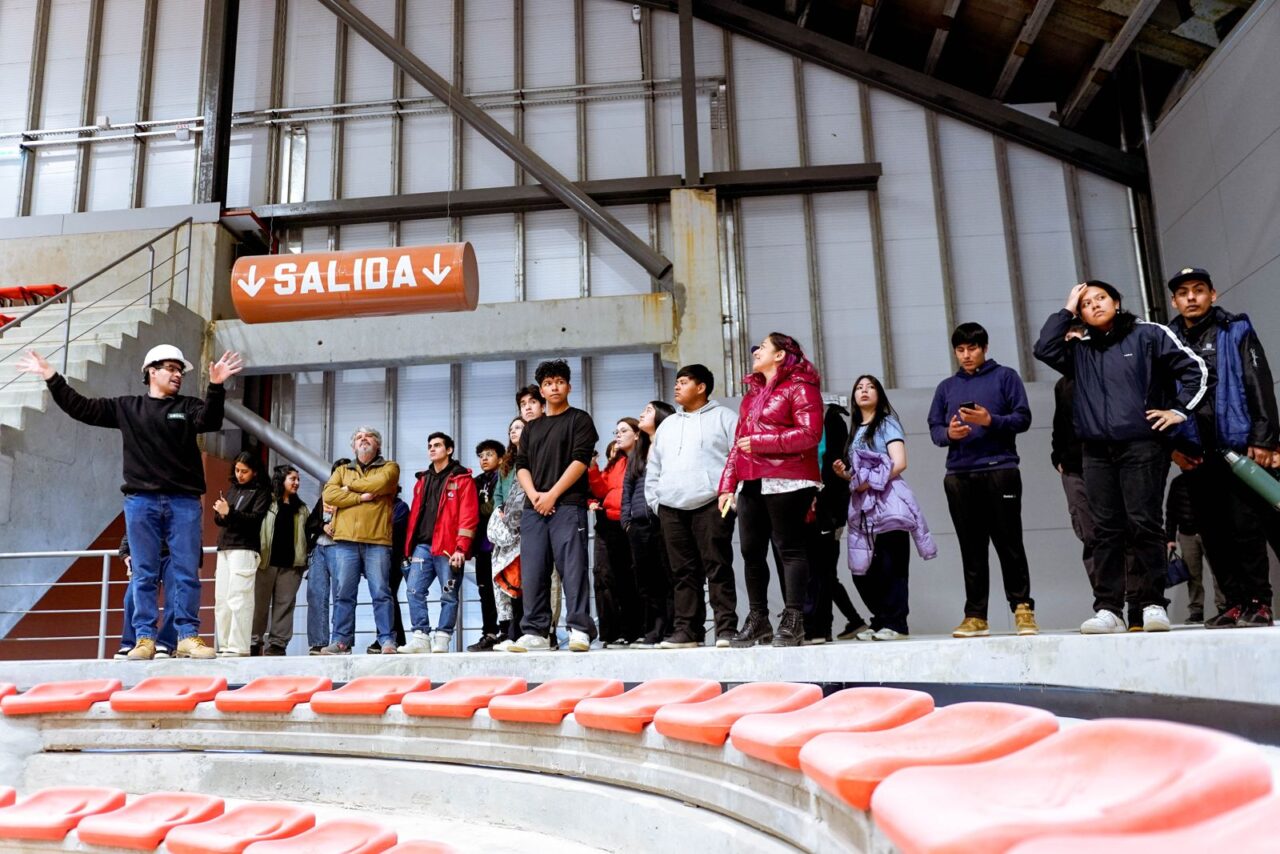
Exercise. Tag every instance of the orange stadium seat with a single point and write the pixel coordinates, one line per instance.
(349, 836)
(461, 697)
(778, 737)
(851, 764)
(7, 796)
(75, 696)
(146, 821)
(238, 828)
(272, 694)
(7, 689)
(551, 701)
(53, 813)
(368, 695)
(168, 694)
(422, 846)
(1248, 830)
(709, 721)
(634, 710)
(1105, 776)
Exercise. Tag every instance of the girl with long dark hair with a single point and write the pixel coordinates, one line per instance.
(283, 558)
(1134, 380)
(239, 514)
(648, 552)
(617, 610)
(772, 476)
(504, 533)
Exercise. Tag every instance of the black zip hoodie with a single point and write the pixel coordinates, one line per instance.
(242, 526)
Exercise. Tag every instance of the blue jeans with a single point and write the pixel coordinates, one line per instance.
(152, 518)
(321, 584)
(168, 637)
(424, 568)
(349, 559)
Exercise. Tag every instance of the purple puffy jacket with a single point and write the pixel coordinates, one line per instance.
(888, 505)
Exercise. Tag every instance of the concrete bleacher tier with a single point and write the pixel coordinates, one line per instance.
(667, 764)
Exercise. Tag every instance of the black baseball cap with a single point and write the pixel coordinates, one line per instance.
(1189, 274)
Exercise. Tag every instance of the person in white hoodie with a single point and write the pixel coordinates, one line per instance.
(680, 485)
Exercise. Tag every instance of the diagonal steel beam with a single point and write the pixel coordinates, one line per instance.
(945, 22)
(1026, 37)
(1108, 58)
(862, 31)
(506, 142)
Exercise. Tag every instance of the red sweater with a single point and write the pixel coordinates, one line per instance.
(607, 486)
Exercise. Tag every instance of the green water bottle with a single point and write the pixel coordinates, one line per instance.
(1255, 476)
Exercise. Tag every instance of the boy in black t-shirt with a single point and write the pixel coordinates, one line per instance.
(551, 466)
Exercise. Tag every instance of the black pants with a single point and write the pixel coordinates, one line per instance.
(653, 580)
(617, 603)
(1125, 483)
(778, 519)
(700, 551)
(555, 543)
(986, 507)
(1233, 520)
(823, 549)
(484, 589)
(884, 587)
(397, 619)
(513, 630)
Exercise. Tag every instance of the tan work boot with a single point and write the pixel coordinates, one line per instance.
(972, 627)
(1024, 620)
(143, 650)
(194, 647)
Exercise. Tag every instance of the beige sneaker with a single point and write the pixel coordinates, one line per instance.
(194, 647)
(972, 627)
(1024, 620)
(143, 650)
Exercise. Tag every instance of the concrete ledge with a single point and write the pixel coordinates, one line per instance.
(505, 330)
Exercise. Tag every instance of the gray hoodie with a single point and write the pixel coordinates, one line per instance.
(688, 455)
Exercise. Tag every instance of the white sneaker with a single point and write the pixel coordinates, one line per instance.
(530, 643)
(865, 635)
(579, 641)
(1155, 619)
(1105, 623)
(162, 652)
(503, 645)
(419, 643)
(887, 634)
(440, 641)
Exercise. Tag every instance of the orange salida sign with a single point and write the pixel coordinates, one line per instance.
(319, 285)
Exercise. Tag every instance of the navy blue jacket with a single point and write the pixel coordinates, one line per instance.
(634, 508)
(1000, 390)
(1120, 375)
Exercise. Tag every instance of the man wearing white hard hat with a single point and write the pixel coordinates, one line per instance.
(163, 480)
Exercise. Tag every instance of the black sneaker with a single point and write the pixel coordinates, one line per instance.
(755, 631)
(1255, 615)
(724, 640)
(122, 653)
(680, 640)
(1228, 619)
(316, 650)
(485, 644)
(374, 648)
(851, 631)
(274, 651)
(1195, 617)
(790, 628)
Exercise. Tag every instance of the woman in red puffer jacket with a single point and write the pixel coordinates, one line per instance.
(772, 476)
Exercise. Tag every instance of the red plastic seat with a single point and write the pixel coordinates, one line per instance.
(272, 694)
(634, 710)
(551, 701)
(851, 764)
(7, 796)
(1248, 830)
(146, 821)
(53, 813)
(5, 319)
(778, 737)
(238, 828)
(75, 696)
(7, 688)
(461, 697)
(349, 836)
(168, 694)
(367, 695)
(1102, 777)
(708, 722)
(41, 292)
(422, 846)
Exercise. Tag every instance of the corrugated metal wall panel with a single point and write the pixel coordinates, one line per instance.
(764, 105)
(319, 161)
(422, 407)
(979, 260)
(366, 158)
(552, 131)
(613, 272)
(424, 232)
(428, 153)
(774, 259)
(246, 168)
(621, 385)
(308, 421)
(615, 139)
(175, 91)
(254, 35)
(369, 73)
(110, 176)
(315, 239)
(429, 34)
(55, 185)
(612, 42)
(548, 43)
(64, 64)
(488, 59)
(364, 235)
(10, 178)
(494, 241)
(833, 117)
(551, 255)
(668, 135)
(488, 405)
(118, 59)
(359, 400)
(17, 26)
(708, 47)
(309, 56)
(1045, 249)
(846, 288)
(483, 165)
(170, 175)
(913, 267)
(1104, 207)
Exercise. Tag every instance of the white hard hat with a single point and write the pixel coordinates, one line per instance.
(166, 353)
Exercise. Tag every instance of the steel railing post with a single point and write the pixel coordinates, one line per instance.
(66, 339)
(151, 274)
(102, 617)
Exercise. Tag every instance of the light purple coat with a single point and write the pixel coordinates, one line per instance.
(887, 505)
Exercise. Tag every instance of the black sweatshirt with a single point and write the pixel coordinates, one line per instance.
(242, 526)
(549, 444)
(158, 435)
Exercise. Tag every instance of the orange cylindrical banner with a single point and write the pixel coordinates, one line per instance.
(317, 285)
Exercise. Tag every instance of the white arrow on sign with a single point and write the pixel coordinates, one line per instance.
(437, 275)
(254, 285)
